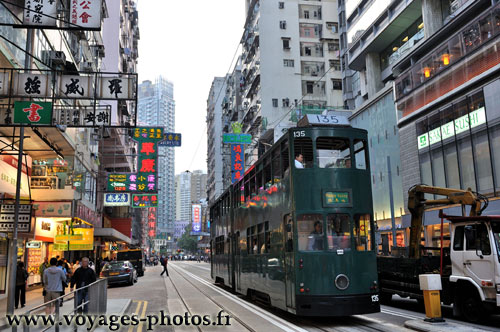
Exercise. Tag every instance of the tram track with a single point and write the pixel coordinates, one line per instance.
(231, 314)
(347, 324)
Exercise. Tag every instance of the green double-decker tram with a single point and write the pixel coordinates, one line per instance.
(297, 230)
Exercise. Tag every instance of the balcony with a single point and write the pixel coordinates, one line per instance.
(313, 89)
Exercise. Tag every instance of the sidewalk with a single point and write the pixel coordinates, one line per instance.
(422, 326)
(34, 298)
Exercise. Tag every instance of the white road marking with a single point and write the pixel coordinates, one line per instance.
(400, 314)
(275, 320)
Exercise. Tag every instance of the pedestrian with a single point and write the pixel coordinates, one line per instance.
(164, 262)
(60, 264)
(52, 280)
(21, 278)
(82, 277)
(76, 265)
(42, 268)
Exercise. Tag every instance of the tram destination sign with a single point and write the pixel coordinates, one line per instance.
(337, 198)
(323, 120)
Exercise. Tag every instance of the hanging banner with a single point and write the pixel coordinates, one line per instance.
(31, 84)
(40, 13)
(33, 113)
(196, 212)
(237, 162)
(86, 13)
(116, 88)
(71, 86)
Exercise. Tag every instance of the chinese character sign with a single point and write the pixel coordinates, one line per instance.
(152, 222)
(40, 12)
(33, 112)
(144, 201)
(196, 217)
(116, 199)
(145, 180)
(31, 84)
(171, 139)
(86, 13)
(237, 162)
(74, 87)
(116, 88)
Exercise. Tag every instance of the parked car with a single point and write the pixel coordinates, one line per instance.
(118, 272)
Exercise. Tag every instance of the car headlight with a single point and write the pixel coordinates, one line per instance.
(342, 282)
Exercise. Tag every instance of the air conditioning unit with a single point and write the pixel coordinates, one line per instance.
(54, 57)
(86, 66)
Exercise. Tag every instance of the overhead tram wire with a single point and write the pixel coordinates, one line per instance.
(216, 100)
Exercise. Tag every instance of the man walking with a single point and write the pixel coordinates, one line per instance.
(82, 277)
(164, 262)
(42, 268)
(53, 278)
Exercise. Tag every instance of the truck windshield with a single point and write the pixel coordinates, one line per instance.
(496, 235)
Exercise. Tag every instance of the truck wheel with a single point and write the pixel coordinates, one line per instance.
(471, 306)
(385, 298)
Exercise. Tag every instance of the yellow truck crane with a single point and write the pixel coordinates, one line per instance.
(469, 267)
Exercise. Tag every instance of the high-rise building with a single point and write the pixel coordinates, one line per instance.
(156, 107)
(198, 186)
(290, 66)
(183, 196)
(214, 134)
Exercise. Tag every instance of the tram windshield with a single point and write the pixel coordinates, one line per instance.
(362, 232)
(338, 233)
(333, 152)
(310, 232)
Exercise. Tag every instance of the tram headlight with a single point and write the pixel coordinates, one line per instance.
(342, 281)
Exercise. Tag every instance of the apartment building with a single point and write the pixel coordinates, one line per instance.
(214, 138)
(290, 65)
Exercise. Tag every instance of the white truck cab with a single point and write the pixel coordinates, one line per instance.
(475, 258)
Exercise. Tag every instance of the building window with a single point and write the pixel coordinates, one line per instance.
(337, 84)
(309, 87)
(283, 25)
(286, 43)
(333, 27)
(288, 63)
(275, 102)
(306, 14)
(335, 64)
(334, 46)
(281, 5)
(286, 102)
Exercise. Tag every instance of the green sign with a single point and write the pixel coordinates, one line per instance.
(452, 128)
(337, 197)
(145, 180)
(237, 138)
(33, 112)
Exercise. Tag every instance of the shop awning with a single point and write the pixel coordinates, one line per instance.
(111, 234)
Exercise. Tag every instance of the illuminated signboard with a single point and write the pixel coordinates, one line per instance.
(144, 201)
(452, 128)
(116, 199)
(152, 222)
(237, 162)
(145, 180)
(237, 138)
(196, 217)
(171, 139)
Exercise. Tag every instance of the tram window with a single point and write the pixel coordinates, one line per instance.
(333, 152)
(259, 182)
(310, 232)
(253, 240)
(249, 240)
(267, 173)
(338, 233)
(362, 232)
(288, 233)
(261, 243)
(267, 237)
(360, 154)
(304, 147)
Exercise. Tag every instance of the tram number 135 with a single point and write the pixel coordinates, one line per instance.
(374, 298)
(301, 133)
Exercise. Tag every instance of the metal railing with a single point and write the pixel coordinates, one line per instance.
(96, 304)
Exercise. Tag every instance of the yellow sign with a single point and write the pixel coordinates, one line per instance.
(82, 239)
(337, 197)
(67, 237)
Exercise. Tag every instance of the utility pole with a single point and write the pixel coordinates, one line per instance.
(13, 244)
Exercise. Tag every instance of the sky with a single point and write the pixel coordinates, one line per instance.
(189, 43)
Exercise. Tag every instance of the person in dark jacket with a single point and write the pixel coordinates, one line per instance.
(82, 277)
(164, 262)
(21, 278)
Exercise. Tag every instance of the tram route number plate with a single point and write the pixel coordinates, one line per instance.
(374, 298)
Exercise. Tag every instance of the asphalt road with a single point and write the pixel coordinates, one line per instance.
(190, 289)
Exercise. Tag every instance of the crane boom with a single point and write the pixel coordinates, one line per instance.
(417, 204)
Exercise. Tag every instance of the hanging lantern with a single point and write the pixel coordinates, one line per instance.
(427, 72)
(446, 59)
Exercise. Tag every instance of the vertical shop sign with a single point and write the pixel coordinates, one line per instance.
(196, 218)
(237, 162)
(152, 222)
